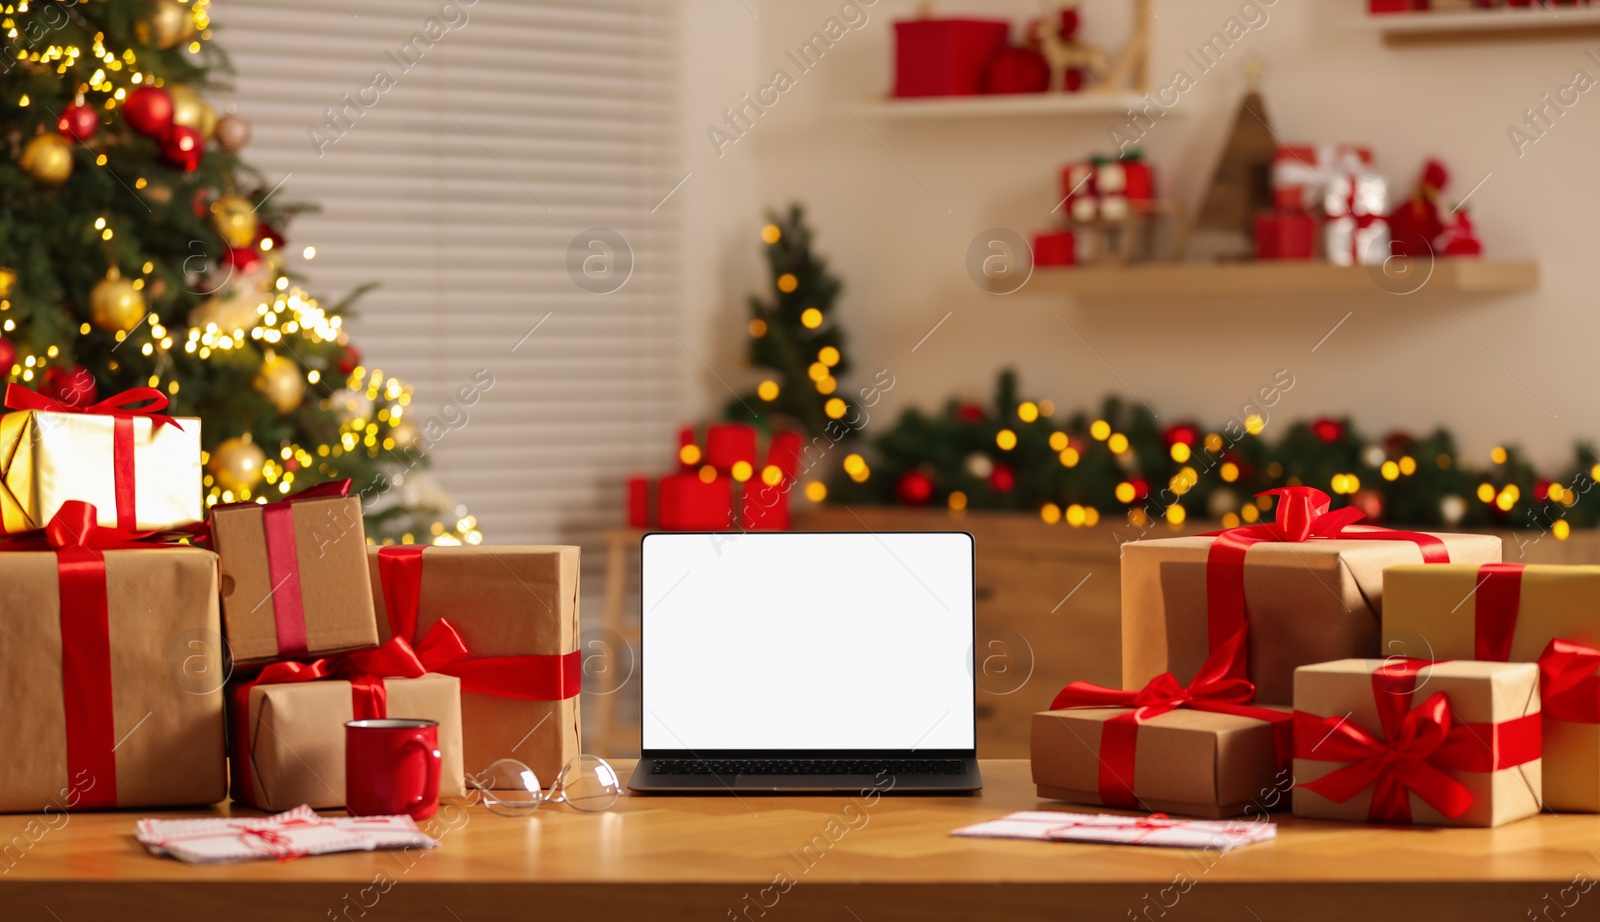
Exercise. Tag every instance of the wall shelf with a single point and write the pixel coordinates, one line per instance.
(1179, 281)
(1019, 104)
(1537, 22)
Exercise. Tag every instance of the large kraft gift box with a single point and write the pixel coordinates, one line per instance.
(110, 679)
(138, 468)
(288, 745)
(1517, 613)
(1449, 743)
(294, 576)
(516, 609)
(1305, 598)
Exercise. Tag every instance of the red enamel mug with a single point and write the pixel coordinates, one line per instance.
(391, 766)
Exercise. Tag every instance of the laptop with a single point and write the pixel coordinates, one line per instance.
(807, 662)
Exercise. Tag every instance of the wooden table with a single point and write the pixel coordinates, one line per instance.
(716, 858)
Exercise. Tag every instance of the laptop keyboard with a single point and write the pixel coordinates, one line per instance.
(874, 767)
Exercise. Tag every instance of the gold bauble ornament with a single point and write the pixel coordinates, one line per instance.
(48, 159)
(237, 463)
(190, 110)
(170, 24)
(281, 381)
(233, 132)
(115, 305)
(235, 220)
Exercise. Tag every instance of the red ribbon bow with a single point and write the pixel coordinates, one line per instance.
(531, 677)
(1418, 750)
(1302, 515)
(79, 543)
(1212, 690)
(121, 408)
(1568, 687)
(119, 405)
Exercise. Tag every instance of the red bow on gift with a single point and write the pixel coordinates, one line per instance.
(1302, 514)
(1417, 752)
(117, 405)
(365, 670)
(1212, 690)
(1568, 686)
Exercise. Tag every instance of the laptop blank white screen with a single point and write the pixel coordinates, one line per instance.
(807, 641)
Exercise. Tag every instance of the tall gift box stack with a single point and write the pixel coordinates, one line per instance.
(109, 653)
(1224, 634)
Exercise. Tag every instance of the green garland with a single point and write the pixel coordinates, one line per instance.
(1120, 465)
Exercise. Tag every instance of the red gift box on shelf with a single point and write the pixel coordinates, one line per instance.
(1396, 6)
(1286, 235)
(1106, 188)
(1055, 248)
(946, 57)
(719, 479)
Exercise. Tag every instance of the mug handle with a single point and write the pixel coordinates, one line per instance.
(431, 757)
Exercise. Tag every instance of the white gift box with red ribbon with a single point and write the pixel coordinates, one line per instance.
(1337, 181)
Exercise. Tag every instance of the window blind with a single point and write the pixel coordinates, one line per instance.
(456, 151)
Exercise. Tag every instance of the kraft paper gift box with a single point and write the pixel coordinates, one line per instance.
(1305, 601)
(288, 745)
(1187, 762)
(117, 704)
(140, 469)
(1450, 743)
(294, 576)
(516, 609)
(1511, 612)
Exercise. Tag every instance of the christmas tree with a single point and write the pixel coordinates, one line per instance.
(791, 337)
(138, 250)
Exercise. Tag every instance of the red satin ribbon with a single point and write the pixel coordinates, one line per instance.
(1212, 690)
(283, 563)
(365, 670)
(1418, 750)
(120, 407)
(1569, 689)
(84, 612)
(532, 677)
(1302, 514)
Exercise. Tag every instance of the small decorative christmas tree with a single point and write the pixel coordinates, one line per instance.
(138, 250)
(791, 336)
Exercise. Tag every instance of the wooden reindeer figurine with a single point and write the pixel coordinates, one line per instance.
(1054, 34)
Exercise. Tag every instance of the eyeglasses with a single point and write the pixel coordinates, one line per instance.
(510, 788)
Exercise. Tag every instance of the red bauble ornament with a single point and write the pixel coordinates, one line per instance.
(969, 413)
(914, 488)
(1017, 70)
(8, 356)
(1141, 488)
(78, 122)
(1328, 430)
(1187, 433)
(244, 259)
(182, 147)
(1002, 478)
(1541, 489)
(1398, 443)
(72, 386)
(148, 111)
(265, 231)
(350, 360)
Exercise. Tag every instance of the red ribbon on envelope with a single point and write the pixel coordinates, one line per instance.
(1212, 690)
(531, 677)
(121, 408)
(1302, 515)
(79, 543)
(1418, 750)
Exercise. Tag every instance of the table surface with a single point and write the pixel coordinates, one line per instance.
(745, 857)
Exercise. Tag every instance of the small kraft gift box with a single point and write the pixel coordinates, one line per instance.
(288, 734)
(1511, 612)
(294, 575)
(138, 467)
(110, 671)
(1202, 750)
(1447, 743)
(516, 611)
(1308, 587)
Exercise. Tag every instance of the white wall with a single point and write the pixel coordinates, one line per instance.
(1395, 363)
